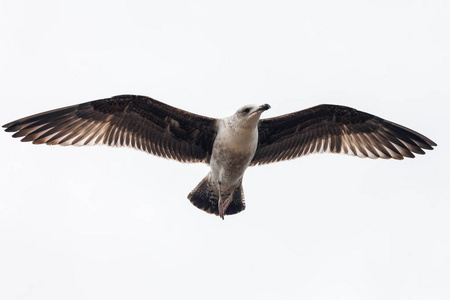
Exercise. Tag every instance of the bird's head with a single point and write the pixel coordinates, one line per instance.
(249, 115)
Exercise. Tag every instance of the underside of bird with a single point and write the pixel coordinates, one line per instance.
(228, 145)
(207, 197)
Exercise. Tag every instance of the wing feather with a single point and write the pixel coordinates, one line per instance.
(128, 120)
(335, 129)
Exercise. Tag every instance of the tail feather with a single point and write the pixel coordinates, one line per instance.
(206, 197)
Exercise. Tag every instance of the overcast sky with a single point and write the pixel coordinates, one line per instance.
(107, 223)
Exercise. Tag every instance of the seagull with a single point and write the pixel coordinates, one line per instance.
(228, 145)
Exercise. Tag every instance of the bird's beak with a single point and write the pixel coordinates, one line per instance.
(260, 109)
(264, 107)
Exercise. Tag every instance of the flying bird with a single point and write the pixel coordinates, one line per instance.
(228, 145)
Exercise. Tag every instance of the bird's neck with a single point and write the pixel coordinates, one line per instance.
(240, 134)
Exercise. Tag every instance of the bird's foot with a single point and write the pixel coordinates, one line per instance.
(223, 205)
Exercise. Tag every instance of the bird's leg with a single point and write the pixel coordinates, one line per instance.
(223, 208)
(223, 205)
(220, 204)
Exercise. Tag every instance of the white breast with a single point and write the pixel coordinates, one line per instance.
(233, 150)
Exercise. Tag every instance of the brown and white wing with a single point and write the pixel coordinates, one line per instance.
(335, 129)
(128, 120)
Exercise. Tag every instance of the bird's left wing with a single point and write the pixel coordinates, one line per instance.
(128, 120)
(336, 129)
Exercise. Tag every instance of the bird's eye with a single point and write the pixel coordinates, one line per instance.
(246, 110)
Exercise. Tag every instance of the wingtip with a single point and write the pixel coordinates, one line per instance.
(429, 143)
(9, 127)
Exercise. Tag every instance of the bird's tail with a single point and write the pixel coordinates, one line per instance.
(206, 197)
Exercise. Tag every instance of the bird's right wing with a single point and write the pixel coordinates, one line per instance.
(128, 120)
(336, 129)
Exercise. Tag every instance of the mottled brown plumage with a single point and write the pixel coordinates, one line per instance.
(136, 121)
(335, 129)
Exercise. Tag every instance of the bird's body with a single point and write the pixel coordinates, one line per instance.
(233, 150)
(228, 145)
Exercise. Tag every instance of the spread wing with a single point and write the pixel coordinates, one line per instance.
(336, 129)
(128, 120)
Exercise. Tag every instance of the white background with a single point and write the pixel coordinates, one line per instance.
(104, 223)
